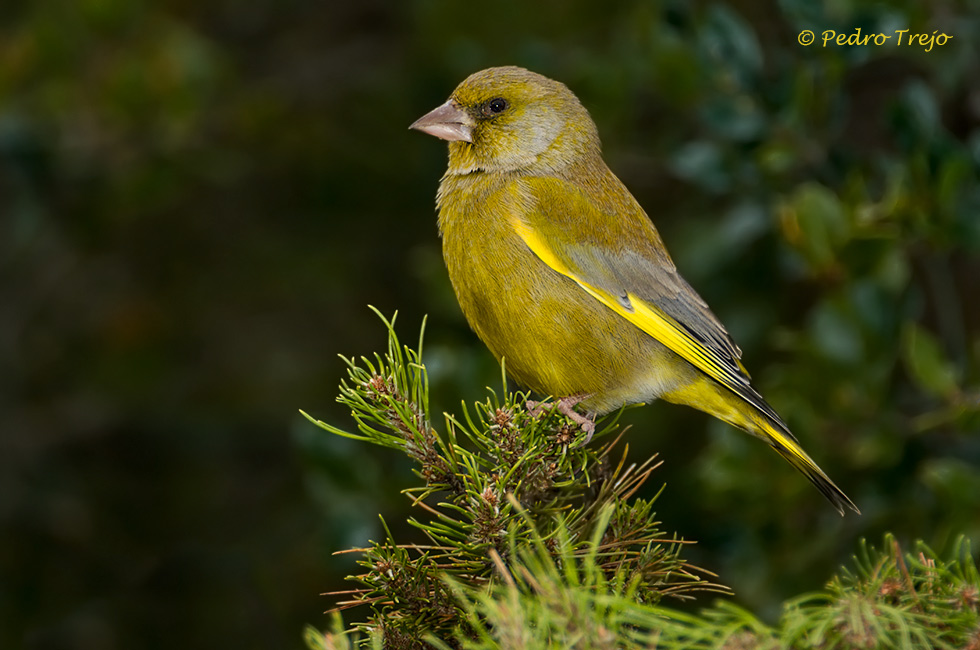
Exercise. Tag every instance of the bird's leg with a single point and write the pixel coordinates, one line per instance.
(566, 406)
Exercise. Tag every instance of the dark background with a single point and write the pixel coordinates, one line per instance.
(198, 201)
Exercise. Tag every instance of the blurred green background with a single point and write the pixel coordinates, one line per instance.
(198, 201)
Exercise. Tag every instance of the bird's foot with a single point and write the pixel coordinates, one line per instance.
(566, 406)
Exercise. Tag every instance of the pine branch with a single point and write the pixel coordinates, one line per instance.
(537, 542)
(493, 481)
(907, 601)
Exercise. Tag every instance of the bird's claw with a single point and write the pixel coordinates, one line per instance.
(566, 406)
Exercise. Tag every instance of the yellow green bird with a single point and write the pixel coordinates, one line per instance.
(562, 274)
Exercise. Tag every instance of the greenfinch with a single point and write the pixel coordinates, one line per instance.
(562, 274)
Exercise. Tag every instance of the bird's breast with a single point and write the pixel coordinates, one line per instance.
(554, 337)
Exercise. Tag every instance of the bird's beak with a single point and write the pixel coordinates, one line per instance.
(448, 122)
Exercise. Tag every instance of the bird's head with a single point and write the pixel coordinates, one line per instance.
(512, 119)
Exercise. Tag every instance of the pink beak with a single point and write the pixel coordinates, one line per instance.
(448, 122)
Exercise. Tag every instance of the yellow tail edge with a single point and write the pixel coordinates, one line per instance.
(787, 447)
(747, 410)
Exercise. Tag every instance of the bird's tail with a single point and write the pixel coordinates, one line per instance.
(748, 411)
(780, 439)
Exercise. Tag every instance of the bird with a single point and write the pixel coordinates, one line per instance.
(561, 273)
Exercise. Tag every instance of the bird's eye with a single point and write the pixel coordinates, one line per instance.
(494, 106)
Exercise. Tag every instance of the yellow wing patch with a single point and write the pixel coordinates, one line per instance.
(652, 320)
(648, 318)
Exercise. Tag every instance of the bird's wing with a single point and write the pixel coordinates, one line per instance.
(620, 260)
